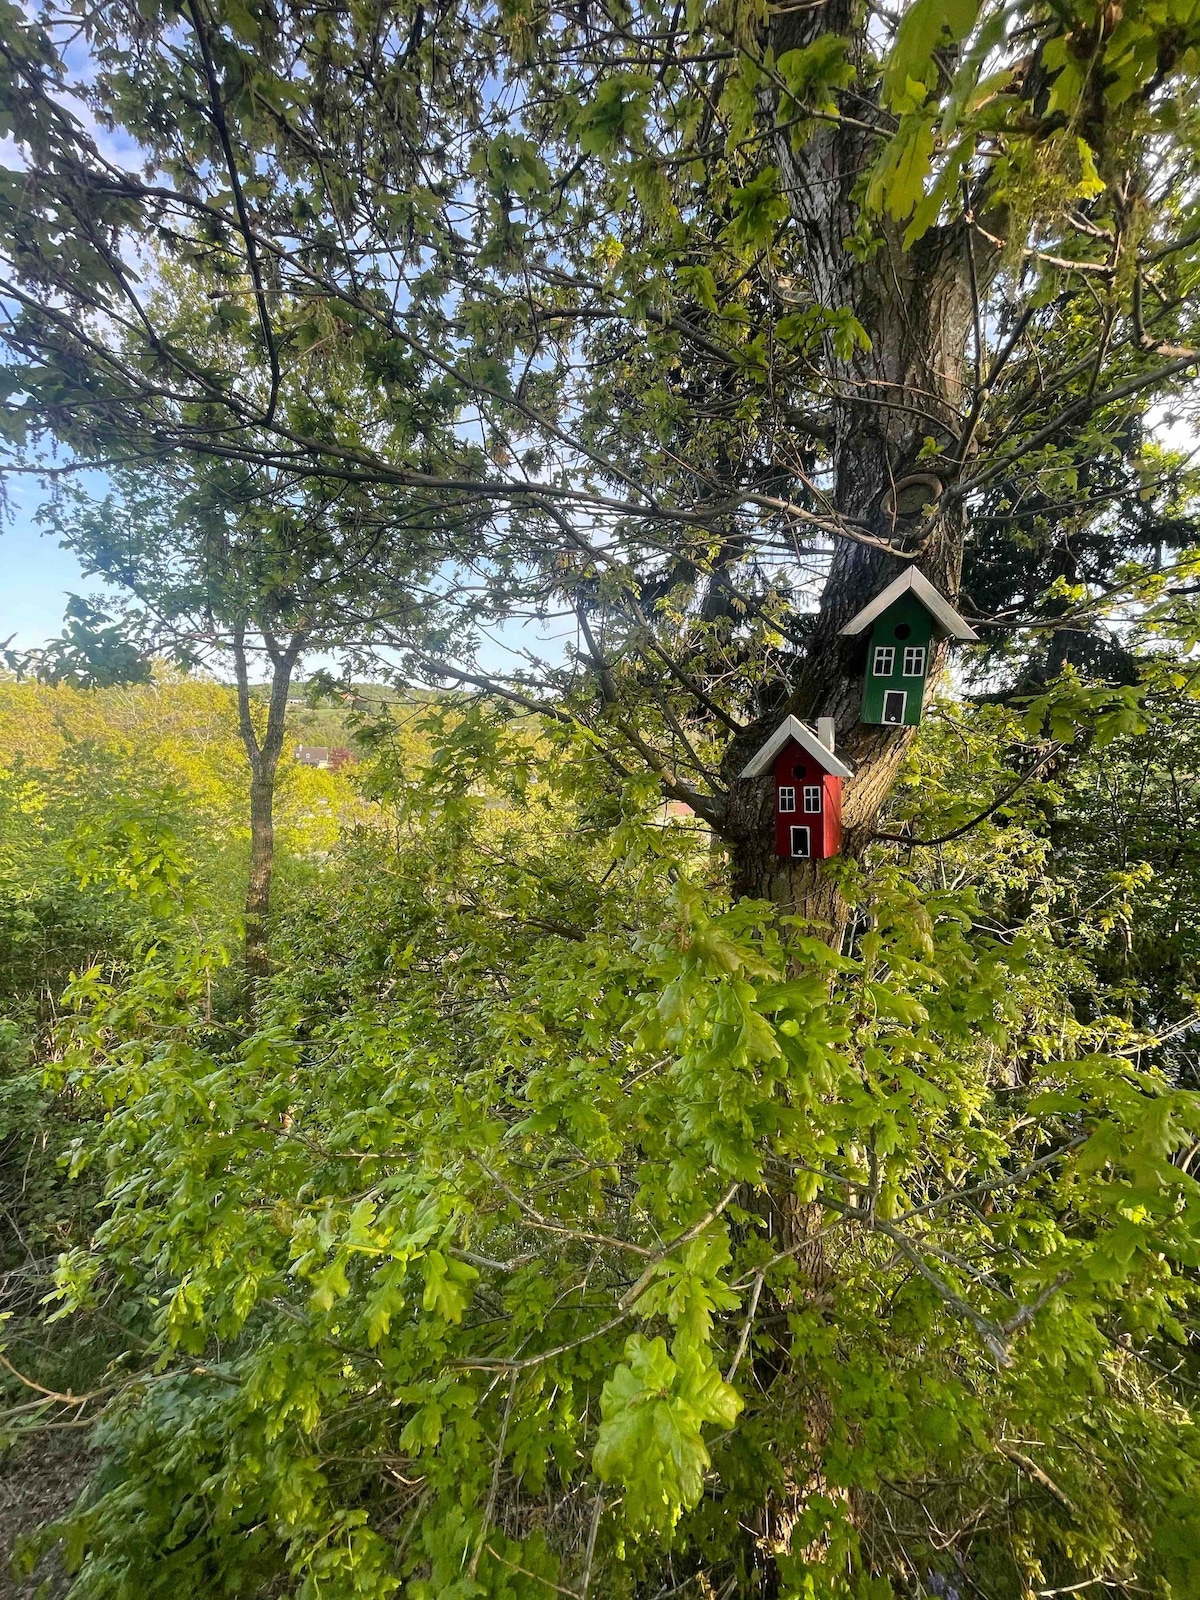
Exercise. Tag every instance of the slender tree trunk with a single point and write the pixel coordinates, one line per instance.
(262, 753)
(262, 867)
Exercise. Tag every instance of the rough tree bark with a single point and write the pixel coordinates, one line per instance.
(263, 755)
(918, 308)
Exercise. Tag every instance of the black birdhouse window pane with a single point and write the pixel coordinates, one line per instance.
(885, 661)
(914, 661)
(787, 797)
(812, 797)
(893, 706)
(801, 850)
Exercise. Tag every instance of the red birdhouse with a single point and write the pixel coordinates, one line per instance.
(808, 789)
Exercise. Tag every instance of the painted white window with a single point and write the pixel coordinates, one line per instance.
(914, 661)
(885, 661)
(812, 797)
(787, 798)
(801, 848)
(894, 702)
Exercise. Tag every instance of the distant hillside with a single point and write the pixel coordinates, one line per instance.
(332, 722)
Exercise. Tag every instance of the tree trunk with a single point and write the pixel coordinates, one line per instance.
(262, 867)
(263, 756)
(917, 308)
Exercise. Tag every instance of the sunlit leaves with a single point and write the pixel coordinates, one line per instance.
(688, 1291)
(478, 1191)
(923, 27)
(447, 1286)
(653, 1410)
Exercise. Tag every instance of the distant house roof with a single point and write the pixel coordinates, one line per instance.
(334, 756)
(793, 728)
(939, 608)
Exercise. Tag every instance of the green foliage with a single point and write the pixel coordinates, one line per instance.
(121, 833)
(92, 653)
(480, 1226)
(651, 1439)
(556, 1223)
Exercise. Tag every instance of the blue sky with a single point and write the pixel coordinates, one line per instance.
(36, 575)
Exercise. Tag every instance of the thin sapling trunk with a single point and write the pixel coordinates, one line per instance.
(262, 753)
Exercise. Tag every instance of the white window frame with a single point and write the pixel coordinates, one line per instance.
(787, 798)
(914, 661)
(812, 799)
(884, 662)
(895, 722)
(806, 853)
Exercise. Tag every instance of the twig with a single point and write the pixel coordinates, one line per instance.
(747, 1325)
(1035, 1472)
(1026, 1313)
(540, 1221)
(494, 1489)
(525, 1573)
(1006, 1182)
(506, 1364)
(67, 1399)
(957, 833)
(597, 1513)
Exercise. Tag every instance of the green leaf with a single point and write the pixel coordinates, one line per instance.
(758, 208)
(616, 116)
(447, 1285)
(897, 184)
(650, 1441)
(923, 27)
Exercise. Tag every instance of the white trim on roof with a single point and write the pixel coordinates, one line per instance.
(793, 728)
(934, 602)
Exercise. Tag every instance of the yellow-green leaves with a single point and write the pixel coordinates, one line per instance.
(758, 208)
(616, 117)
(688, 1291)
(818, 66)
(653, 1410)
(923, 28)
(447, 1285)
(1071, 705)
(898, 181)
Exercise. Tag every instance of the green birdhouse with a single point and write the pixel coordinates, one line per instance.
(904, 621)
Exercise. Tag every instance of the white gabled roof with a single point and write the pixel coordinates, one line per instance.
(935, 603)
(793, 728)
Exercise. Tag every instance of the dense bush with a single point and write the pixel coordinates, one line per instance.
(456, 1273)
